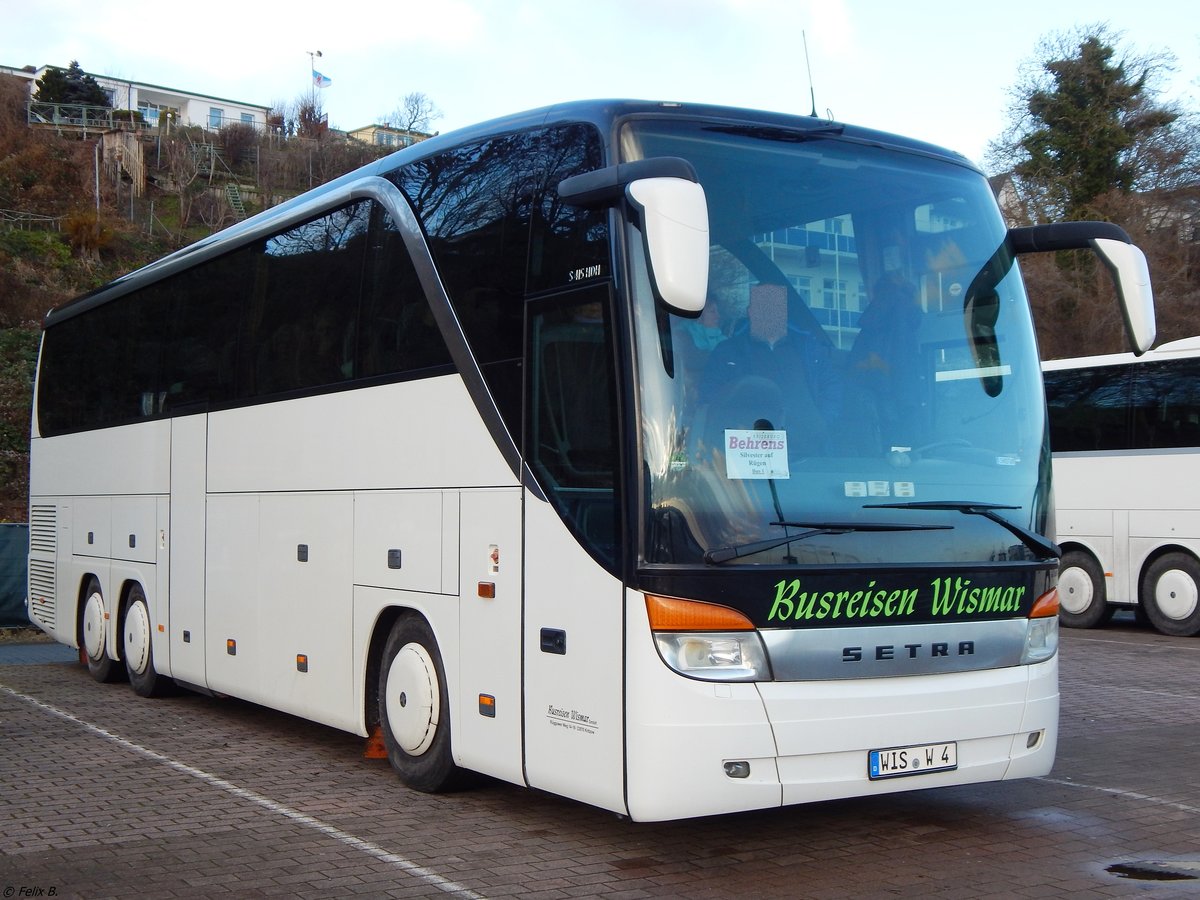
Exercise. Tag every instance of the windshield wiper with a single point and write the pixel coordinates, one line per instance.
(820, 128)
(1031, 539)
(724, 554)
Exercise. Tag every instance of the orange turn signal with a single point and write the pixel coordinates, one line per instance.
(673, 614)
(1045, 605)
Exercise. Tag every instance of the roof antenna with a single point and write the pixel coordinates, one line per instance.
(808, 65)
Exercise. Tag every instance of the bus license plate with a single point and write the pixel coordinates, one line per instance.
(917, 760)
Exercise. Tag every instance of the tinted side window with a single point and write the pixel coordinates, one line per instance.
(69, 389)
(320, 305)
(300, 327)
(200, 367)
(102, 368)
(397, 332)
(59, 369)
(1166, 404)
(497, 232)
(474, 203)
(572, 441)
(568, 244)
(1089, 408)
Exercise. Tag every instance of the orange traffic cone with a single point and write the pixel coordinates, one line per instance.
(375, 748)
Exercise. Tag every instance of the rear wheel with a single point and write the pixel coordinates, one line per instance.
(1082, 594)
(414, 709)
(137, 648)
(1170, 594)
(94, 634)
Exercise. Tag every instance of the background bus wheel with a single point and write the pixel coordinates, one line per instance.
(1082, 594)
(95, 642)
(137, 649)
(414, 709)
(1171, 594)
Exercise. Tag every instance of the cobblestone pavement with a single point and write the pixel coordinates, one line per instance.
(104, 794)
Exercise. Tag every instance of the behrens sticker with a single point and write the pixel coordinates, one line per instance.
(756, 454)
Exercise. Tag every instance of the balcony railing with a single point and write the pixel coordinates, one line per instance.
(75, 115)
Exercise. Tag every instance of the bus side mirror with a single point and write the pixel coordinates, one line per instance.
(666, 197)
(1127, 265)
(674, 219)
(1125, 262)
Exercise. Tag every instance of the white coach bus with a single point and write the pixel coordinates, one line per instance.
(1126, 437)
(676, 459)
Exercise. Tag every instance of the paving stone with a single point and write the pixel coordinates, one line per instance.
(201, 797)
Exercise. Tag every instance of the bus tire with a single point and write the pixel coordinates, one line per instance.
(1082, 593)
(93, 634)
(137, 647)
(1170, 594)
(414, 709)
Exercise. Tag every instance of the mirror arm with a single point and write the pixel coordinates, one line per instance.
(1063, 236)
(1124, 260)
(606, 187)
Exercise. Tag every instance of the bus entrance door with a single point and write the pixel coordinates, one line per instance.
(574, 725)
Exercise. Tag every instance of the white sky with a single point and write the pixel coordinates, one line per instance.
(936, 70)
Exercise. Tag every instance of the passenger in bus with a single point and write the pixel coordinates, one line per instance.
(885, 362)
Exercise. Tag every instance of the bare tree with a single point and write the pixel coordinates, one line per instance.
(416, 112)
(311, 119)
(184, 169)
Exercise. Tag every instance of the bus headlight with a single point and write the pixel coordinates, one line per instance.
(723, 656)
(1041, 640)
(707, 641)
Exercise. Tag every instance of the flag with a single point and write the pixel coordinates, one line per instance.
(320, 80)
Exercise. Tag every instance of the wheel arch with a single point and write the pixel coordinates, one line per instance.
(1082, 577)
(127, 586)
(384, 622)
(81, 601)
(1078, 546)
(1154, 556)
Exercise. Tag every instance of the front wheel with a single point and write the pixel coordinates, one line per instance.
(1082, 596)
(94, 632)
(138, 650)
(414, 710)
(1170, 594)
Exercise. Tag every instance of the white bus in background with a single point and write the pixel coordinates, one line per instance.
(677, 459)
(1125, 432)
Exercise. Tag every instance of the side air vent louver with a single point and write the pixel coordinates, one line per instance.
(43, 547)
(43, 529)
(43, 600)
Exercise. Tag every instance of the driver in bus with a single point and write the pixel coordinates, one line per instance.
(768, 346)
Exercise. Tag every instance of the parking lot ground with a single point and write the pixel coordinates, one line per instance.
(105, 794)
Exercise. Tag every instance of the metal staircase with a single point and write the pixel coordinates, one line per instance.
(234, 193)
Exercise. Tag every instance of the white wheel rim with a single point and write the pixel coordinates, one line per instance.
(93, 626)
(1176, 594)
(413, 699)
(137, 638)
(1075, 590)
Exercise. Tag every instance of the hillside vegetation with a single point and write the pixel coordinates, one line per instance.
(59, 240)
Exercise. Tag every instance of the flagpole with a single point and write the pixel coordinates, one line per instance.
(312, 75)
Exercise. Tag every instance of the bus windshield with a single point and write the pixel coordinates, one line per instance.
(864, 371)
